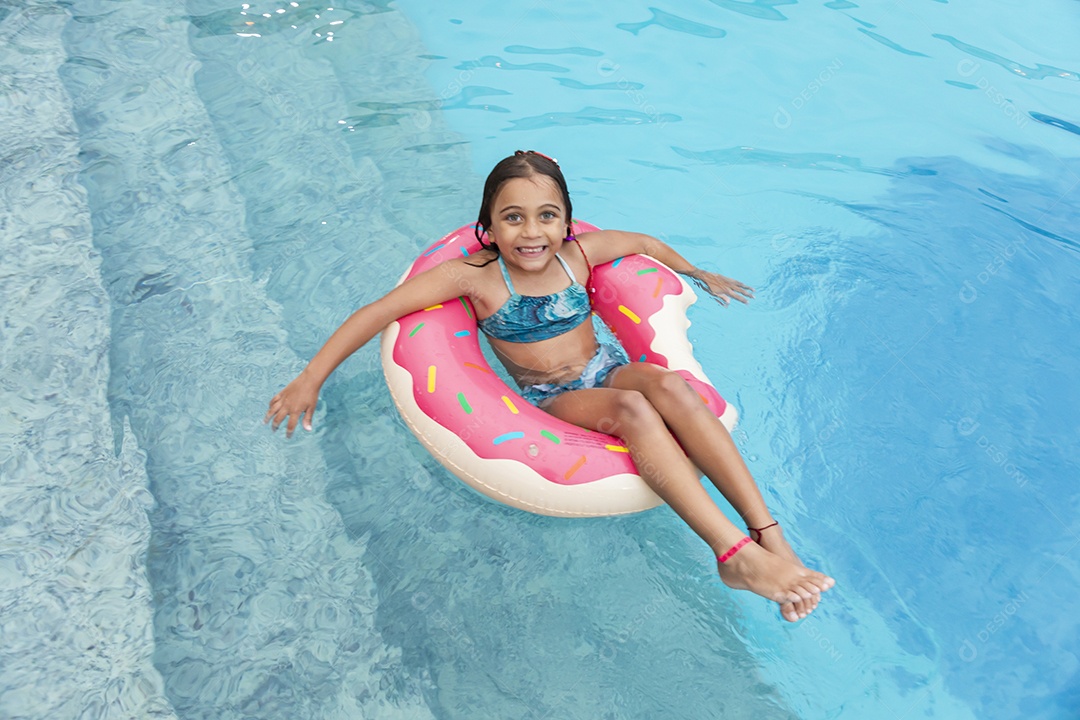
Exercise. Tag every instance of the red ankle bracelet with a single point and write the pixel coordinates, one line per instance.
(758, 531)
(734, 549)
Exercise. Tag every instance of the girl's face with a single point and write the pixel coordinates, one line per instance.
(528, 221)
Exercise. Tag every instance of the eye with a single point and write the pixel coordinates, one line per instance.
(548, 215)
(513, 217)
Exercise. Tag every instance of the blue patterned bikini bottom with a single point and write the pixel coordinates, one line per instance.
(607, 358)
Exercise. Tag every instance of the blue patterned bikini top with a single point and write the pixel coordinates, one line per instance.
(531, 318)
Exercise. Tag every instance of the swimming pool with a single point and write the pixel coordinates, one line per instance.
(193, 202)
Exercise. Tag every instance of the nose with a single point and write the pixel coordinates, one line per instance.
(532, 227)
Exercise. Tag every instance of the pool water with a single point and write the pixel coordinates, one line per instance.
(195, 195)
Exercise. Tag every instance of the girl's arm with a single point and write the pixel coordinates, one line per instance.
(299, 398)
(604, 246)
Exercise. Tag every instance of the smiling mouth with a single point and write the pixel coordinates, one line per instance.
(531, 251)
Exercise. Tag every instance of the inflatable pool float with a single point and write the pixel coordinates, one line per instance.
(497, 443)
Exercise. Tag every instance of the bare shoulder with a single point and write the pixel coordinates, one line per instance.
(477, 277)
(464, 275)
(480, 259)
(606, 245)
(477, 266)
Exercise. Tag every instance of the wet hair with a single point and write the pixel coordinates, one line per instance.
(522, 164)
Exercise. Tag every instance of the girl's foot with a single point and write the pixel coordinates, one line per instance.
(771, 537)
(783, 581)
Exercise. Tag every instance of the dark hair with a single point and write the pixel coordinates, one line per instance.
(522, 164)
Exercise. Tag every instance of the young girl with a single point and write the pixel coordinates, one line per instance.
(524, 287)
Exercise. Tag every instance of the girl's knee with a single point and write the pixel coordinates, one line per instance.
(630, 409)
(674, 389)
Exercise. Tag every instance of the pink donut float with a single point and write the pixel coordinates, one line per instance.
(484, 432)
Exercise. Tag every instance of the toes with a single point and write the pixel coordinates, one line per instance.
(796, 610)
(819, 582)
(803, 608)
(787, 597)
(796, 593)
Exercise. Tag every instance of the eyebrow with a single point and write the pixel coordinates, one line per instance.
(518, 207)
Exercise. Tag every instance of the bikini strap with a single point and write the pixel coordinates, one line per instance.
(566, 267)
(506, 276)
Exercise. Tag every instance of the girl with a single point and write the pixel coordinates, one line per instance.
(525, 291)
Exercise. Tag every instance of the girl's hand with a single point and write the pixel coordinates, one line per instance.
(294, 402)
(720, 287)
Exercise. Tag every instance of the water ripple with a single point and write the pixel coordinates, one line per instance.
(463, 100)
(527, 50)
(760, 9)
(590, 116)
(1064, 241)
(890, 44)
(1039, 72)
(803, 161)
(494, 61)
(1056, 122)
(623, 85)
(673, 22)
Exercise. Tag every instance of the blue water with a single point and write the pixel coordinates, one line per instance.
(191, 204)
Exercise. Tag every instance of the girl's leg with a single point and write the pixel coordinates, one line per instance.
(629, 415)
(708, 443)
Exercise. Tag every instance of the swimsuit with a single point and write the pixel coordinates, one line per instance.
(532, 318)
(607, 358)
